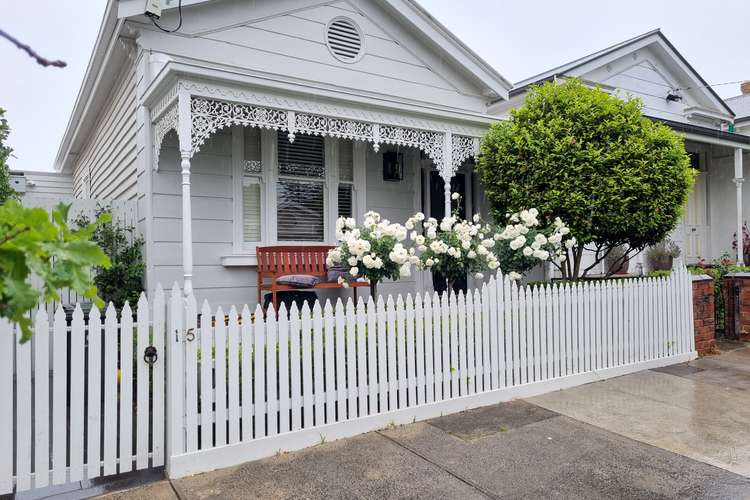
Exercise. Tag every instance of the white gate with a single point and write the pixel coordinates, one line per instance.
(247, 387)
(79, 400)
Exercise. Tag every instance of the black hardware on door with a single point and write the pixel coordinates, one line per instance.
(149, 355)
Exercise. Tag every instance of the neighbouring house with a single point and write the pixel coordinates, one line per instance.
(259, 123)
(650, 67)
(741, 106)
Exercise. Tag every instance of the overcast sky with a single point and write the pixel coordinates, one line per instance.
(519, 38)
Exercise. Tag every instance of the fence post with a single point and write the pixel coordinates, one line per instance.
(175, 378)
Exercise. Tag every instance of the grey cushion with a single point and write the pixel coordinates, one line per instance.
(298, 280)
(335, 272)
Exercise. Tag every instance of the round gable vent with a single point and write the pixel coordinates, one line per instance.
(344, 39)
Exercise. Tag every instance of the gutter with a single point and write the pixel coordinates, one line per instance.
(738, 139)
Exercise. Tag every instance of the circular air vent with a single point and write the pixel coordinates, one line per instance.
(344, 39)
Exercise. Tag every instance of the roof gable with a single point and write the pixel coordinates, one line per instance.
(649, 67)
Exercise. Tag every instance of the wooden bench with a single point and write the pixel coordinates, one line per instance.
(277, 261)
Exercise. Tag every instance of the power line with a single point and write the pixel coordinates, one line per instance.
(712, 85)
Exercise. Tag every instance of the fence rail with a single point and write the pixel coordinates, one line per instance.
(240, 385)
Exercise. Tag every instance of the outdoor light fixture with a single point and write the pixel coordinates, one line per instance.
(674, 96)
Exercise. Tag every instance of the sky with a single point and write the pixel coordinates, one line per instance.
(518, 38)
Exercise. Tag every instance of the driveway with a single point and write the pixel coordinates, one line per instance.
(680, 432)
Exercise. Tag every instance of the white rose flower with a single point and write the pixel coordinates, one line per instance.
(455, 196)
(421, 248)
(564, 230)
(493, 264)
(475, 218)
(351, 223)
(429, 262)
(409, 225)
(352, 261)
(541, 254)
(466, 245)
(540, 238)
(570, 243)
(354, 271)
(518, 242)
(479, 276)
(514, 276)
(482, 250)
(528, 251)
(419, 239)
(472, 254)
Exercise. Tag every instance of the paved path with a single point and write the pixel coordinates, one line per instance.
(680, 432)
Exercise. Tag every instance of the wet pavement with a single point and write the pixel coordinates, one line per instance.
(678, 432)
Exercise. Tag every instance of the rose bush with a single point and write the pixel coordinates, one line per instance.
(375, 251)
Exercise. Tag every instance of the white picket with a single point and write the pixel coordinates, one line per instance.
(307, 369)
(391, 340)
(524, 331)
(383, 385)
(295, 362)
(463, 374)
(445, 344)
(271, 373)
(283, 369)
(59, 396)
(454, 350)
(362, 388)
(157, 378)
(330, 338)
(372, 369)
(7, 338)
(126, 390)
(23, 413)
(175, 392)
(419, 321)
(536, 303)
(142, 388)
(246, 399)
(437, 348)
(489, 338)
(259, 372)
(41, 396)
(410, 353)
(340, 365)
(205, 385)
(351, 360)
(470, 354)
(220, 377)
(191, 374)
(318, 368)
(505, 312)
(77, 384)
(233, 378)
(400, 337)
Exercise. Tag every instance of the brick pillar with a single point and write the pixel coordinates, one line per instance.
(737, 305)
(703, 314)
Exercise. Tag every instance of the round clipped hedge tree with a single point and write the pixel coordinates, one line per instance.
(617, 178)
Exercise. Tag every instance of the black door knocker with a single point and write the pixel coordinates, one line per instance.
(149, 355)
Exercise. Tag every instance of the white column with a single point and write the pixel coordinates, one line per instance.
(184, 132)
(446, 170)
(187, 225)
(738, 180)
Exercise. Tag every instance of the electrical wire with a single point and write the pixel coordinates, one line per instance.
(712, 85)
(179, 25)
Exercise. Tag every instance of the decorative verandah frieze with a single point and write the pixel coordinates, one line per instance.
(196, 116)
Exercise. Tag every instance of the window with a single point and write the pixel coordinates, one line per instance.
(252, 181)
(346, 178)
(300, 190)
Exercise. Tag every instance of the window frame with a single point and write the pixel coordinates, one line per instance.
(269, 177)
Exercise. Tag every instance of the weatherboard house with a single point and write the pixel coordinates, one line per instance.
(259, 123)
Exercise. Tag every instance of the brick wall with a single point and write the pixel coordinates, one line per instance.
(703, 314)
(737, 328)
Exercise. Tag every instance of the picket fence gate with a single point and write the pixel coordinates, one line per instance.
(238, 385)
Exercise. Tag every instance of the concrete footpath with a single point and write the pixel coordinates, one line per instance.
(679, 432)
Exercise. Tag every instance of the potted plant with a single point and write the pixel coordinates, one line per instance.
(661, 256)
(617, 261)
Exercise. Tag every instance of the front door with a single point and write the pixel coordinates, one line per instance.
(696, 229)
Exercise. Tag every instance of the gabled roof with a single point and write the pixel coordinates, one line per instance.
(106, 59)
(566, 69)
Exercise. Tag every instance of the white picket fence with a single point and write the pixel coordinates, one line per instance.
(239, 387)
(319, 374)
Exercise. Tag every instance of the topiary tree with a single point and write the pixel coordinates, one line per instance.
(6, 190)
(614, 176)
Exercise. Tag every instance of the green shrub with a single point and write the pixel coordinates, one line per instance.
(123, 280)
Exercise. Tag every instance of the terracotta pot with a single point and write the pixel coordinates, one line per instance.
(662, 263)
(623, 267)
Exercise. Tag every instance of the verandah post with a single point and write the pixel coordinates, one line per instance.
(184, 131)
(738, 180)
